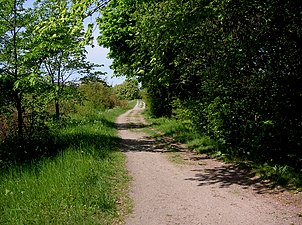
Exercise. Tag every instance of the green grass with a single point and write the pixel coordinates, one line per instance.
(282, 175)
(132, 103)
(85, 183)
(176, 158)
(182, 133)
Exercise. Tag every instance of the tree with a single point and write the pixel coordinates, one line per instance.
(62, 47)
(16, 69)
(92, 78)
(40, 48)
(129, 90)
(233, 66)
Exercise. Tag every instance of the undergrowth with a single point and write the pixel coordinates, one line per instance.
(282, 175)
(84, 183)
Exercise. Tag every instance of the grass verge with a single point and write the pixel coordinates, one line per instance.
(85, 183)
(282, 175)
(182, 133)
(176, 158)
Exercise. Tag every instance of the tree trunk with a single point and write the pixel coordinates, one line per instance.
(20, 119)
(57, 108)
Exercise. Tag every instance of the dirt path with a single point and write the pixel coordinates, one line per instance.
(203, 191)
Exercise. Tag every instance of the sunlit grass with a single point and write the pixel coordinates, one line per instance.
(85, 183)
(176, 158)
(183, 133)
(278, 174)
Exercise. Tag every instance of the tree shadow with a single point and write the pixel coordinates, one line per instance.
(141, 145)
(224, 176)
(127, 126)
(228, 175)
(50, 145)
(89, 142)
(159, 143)
(147, 144)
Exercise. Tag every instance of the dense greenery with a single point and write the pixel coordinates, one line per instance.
(59, 158)
(200, 143)
(128, 90)
(40, 48)
(230, 69)
(100, 96)
(83, 182)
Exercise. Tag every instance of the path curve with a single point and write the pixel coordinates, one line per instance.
(203, 192)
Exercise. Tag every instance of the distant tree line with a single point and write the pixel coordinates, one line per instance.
(232, 68)
(128, 90)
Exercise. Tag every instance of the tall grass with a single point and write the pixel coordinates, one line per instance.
(84, 183)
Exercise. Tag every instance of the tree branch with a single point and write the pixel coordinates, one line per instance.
(92, 11)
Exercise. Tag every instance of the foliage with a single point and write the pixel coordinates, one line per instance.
(128, 90)
(62, 47)
(231, 69)
(40, 48)
(99, 96)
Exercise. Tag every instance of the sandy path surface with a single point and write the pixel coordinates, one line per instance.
(201, 191)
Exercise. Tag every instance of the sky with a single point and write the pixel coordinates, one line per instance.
(98, 54)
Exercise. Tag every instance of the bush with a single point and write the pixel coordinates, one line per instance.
(99, 96)
(128, 90)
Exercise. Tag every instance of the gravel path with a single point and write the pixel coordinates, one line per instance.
(202, 191)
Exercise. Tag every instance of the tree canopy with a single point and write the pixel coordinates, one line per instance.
(40, 47)
(232, 67)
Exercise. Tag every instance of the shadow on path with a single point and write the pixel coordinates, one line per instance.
(146, 143)
(223, 176)
(227, 175)
(139, 145)
(127, 126)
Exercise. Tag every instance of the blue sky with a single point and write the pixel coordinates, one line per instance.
(97, 54)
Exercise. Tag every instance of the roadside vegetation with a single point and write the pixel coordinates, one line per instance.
(226, 77)
(79, 177)
(59, 152)
(184, 133)
(227, 71)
